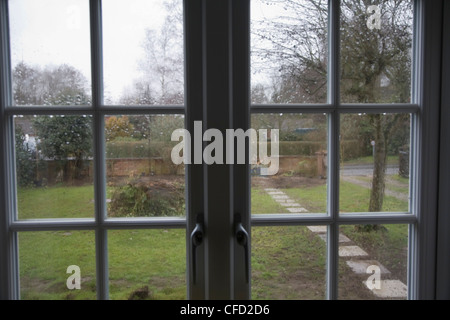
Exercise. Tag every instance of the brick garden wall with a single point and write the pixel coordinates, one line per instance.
(50, 172)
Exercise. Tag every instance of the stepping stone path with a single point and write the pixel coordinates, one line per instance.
(394, 289)
(284, 200)
(360, 266)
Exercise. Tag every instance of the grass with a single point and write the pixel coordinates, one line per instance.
(138, 258)
(287, 262)
(56, 202)
(394, 183)
(391, 160)
(354, 198)
(43, 261)
(312, 198)
(387, 245)
(153, 258)
(262, 203)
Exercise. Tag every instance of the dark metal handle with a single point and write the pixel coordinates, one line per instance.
(242, 239)
(196, 240)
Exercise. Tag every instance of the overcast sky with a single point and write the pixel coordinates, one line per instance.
(53, 32)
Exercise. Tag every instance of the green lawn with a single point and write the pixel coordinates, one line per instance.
(287, 262)
(369, 160)
(353, 198)
(282, 255)
(56, 202)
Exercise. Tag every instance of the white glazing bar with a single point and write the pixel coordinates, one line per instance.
(378, 108)
(327, 108)
(91, 224)
(291, 108)
(9, 272)
(49, 110)
(110, 110)
(416, 75)
(377, 218)
(276, 219)
(169, 109)
(53, 225)
(429, 42)
(101, 243)
(146, 223)
(4, 228)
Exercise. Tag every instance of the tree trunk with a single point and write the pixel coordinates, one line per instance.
(379, 167)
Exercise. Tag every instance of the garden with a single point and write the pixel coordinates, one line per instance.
(288, 262)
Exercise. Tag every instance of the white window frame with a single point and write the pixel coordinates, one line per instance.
(425, 108)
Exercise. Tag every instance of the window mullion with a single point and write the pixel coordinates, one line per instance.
(9, 270)
(333, 145)
(99, 147)
(428, 64)
(443, 247)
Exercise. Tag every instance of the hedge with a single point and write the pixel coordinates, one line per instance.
(138, 149)
(350, 149)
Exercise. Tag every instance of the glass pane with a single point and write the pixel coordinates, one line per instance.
(57, 265)
(376, 43)
(147, 264)
(374, 175)
(142, 179)
(289, 263)
(143, 52)
(50, 52)
(373, 262)
(54, 166)
(289, 48)
(298, 184)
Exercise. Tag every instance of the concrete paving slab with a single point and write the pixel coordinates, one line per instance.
(290, 204)
(297, 210)
(318, 229)
(284, 201)
(272, 193)
(342, 238)
(390, 289)
(360, 266)
(351, 251)
(280, 196)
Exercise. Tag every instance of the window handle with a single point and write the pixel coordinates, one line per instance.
(242, 239)
(196, 240)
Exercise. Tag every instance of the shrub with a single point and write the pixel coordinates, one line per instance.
(24, 162)
(295, 148)
(119, 149)
(138, 199)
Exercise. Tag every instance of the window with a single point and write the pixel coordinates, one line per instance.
(90, 196)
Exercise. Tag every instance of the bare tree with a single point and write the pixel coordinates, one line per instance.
(375, 64)
(162, 66)
(53, 85)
